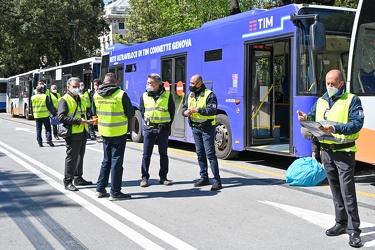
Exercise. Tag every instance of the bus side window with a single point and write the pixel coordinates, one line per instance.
(366, 81)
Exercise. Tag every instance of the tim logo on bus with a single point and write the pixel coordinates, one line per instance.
(261, 23)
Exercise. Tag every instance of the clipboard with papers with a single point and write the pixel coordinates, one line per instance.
(313, 127)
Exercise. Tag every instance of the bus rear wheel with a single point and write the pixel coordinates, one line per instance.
(223, 138)
(27, 114)
(136, 127)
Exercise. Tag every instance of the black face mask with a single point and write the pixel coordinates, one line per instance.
(193, 88)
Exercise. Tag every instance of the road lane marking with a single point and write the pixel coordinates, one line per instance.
(152, 229)
(116, 224)
(26, 130)
(325, 221)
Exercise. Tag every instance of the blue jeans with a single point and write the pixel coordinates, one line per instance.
(47, 125)
(114, 149)
(205, 148)
(148, 145)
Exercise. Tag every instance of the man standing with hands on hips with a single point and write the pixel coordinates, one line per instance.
(341, 116)
(201, 107)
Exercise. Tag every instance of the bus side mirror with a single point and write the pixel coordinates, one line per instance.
(318, 37)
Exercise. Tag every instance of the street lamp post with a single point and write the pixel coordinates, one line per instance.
(73, 25)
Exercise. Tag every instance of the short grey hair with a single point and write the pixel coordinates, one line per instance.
(155, 77)
(72, 79)
(110, 78)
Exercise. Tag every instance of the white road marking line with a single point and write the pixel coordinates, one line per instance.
(26, 129)
(325, 221)
(152, 229)
(116, 224)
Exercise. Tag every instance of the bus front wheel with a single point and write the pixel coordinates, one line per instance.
(12, 111)
(136, 127)
(223, 138)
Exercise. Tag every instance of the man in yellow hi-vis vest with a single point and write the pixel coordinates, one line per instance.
(42, 107)
(157, 108)
(341, 115)
(114, 110)
(201, 107)
(73, 111)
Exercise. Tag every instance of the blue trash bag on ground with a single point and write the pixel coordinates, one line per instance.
(305, 171)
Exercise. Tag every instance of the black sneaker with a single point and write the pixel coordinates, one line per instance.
(217, 186)
(40, 145)
(202, 182)
(50, 143)
(70, 187)
(120, 196)
(79, 181)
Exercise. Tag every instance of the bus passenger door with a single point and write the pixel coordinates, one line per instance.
(261, 95)
(173, 74)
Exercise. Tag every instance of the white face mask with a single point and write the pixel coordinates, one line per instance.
(332, 91)
(75, 91)
(54, 91)
(149, 88)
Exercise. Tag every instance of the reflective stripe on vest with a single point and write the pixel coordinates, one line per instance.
(112, 120)
(200, 103)
(72, 104)
(40, 109)
(338, 114)
(156, 111)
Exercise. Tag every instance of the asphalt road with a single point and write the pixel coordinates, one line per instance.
(254, 210)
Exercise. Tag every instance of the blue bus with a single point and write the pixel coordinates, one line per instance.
(261, 64)
(3, 91)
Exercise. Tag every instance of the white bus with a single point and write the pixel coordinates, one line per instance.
(86, 69)
(20, 90)
(361, 75)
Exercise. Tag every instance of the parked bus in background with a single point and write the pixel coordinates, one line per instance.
(361, 75)
(19, 92)
(3, 93)
(86, 69)
(260, 64)
(21, 86)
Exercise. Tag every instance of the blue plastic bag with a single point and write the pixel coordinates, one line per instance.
(305, 171)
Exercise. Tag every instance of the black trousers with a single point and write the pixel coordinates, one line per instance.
(75, 151)
(340, 174)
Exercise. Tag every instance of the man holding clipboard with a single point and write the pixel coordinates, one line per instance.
(336, 119)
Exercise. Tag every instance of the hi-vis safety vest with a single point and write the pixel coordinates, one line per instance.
(156, 111)
(200, 103)
(40, 109)
(112, 120)
(55, 100)
(85, 98)
(338, 114)
(81, 111)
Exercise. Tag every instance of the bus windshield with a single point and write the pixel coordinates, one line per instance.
(313, 68)
(363, 68)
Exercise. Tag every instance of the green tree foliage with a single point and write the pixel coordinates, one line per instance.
(37, 33)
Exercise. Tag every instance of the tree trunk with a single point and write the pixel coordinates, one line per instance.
(234, 7)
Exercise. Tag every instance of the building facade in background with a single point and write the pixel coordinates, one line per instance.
(114, 14)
